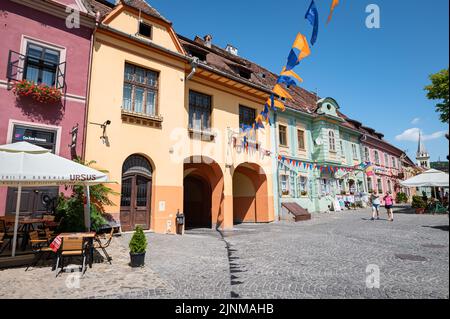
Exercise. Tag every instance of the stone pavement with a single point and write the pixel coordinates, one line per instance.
(326, 257)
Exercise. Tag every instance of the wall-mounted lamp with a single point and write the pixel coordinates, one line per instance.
(104, 137)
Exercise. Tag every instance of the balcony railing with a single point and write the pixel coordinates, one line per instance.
(17, 67)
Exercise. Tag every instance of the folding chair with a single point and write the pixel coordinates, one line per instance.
(71, 247)
(39, 246)
(98, 244)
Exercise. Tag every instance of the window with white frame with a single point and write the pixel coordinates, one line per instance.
(386, 160)
(355, 151)
(284, 183)
(302, 186)
(341, 186)
(377, 158)
(369, 184)
(394, 162)
(366, 154)
(332, 140)
(380, 186)
(341, 143)
(325, 186)
(301, 140)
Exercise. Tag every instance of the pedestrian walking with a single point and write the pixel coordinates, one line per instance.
(376, 203)
(389, 204)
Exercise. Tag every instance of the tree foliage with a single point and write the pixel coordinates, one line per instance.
(438, 90)
(72, 208)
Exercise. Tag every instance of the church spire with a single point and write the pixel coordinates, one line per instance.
(423, 158)
(421, 151)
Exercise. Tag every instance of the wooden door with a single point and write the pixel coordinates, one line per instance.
(136, 197)
(135, 203)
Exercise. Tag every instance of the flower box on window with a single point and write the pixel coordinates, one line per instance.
(39, 92)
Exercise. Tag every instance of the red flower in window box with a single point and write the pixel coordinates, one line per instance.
(39, 92)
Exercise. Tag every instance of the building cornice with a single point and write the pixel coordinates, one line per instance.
(58, 10)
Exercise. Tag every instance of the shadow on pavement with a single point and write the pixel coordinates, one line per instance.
(404, 210)
(443, 228)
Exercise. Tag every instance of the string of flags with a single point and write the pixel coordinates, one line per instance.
(288, 78)
(367, 167)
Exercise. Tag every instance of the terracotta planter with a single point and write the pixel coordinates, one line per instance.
(420, 211)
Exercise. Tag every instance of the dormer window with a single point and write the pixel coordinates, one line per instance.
(200, 55)
(245, 74)
(145, 30)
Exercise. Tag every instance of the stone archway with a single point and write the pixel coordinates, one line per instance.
(203, 203)
(250, 197)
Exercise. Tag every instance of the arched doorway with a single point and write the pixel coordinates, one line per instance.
(203, 193)
(197, 202)
(135, 205)
(250, 198)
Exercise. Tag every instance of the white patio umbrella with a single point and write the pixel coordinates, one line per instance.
(431, 178)
(25, 164)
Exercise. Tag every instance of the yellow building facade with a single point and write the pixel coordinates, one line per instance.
(166, 128)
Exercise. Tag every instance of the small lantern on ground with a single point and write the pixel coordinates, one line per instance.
(180, 223)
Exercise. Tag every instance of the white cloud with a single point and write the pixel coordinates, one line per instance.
(412, 135)
(415, 121)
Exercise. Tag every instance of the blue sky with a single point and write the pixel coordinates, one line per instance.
(376, 75)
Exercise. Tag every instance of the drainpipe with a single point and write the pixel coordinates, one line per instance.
(194, 64)
(88, 86)
(275, 123)
(366, 186)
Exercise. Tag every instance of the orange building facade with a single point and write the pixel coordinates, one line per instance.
(164, 120)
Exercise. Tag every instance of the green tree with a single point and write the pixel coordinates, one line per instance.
(438, 90)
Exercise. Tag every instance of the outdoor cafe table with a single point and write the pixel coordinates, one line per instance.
(89, 237)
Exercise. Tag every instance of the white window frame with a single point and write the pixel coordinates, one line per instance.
(299, 188)
(23, 50)
(366, 154)
(57, 129)
(287, 182)
(354, 151)
(332, 141)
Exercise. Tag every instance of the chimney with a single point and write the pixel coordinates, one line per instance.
(231, 49)
(208, 40)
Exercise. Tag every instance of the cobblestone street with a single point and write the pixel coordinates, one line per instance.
(323, 258)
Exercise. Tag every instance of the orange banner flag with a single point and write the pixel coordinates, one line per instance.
(276, 104)
(278, 90)
(301, 43)
(333, 6)
(291, 74)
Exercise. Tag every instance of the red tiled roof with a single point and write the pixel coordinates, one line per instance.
(224, 61)
(146, 8)
(104, 7)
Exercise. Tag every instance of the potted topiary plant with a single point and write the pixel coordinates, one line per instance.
(138, 248)
(419, 204)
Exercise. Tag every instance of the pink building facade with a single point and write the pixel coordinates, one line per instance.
(387, 160)
(38, 46)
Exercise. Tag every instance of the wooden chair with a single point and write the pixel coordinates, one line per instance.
(103, 241)
(8, 235)
(71, 247)
(49, 218)
(40, 247)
